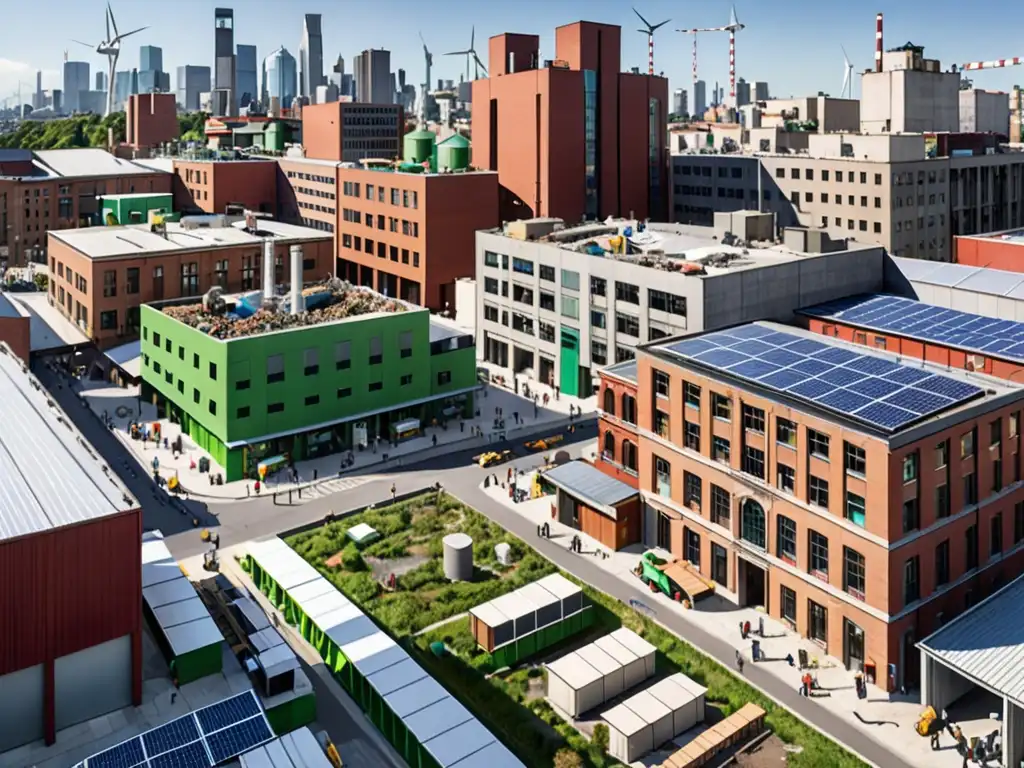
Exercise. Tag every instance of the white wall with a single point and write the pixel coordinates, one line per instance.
(21, 707)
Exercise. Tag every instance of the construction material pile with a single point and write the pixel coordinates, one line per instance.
(336, 300)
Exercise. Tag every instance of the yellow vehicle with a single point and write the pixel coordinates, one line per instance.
(490, 458)
(544, 443)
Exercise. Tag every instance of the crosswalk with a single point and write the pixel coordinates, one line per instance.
(337, 485)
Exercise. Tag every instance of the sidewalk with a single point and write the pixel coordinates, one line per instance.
(720, 616)
(322, 476)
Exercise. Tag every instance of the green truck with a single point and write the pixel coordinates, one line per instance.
(677, 579)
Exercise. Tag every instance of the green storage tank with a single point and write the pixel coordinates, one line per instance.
(418, 146)
(453, 153)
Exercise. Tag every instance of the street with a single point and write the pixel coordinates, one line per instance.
(244, 520)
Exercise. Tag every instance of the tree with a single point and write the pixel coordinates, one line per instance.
(566, 758)
(601, 737)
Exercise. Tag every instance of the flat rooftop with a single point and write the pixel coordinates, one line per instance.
(1015, 236)
(968, 332)
(87, 162)
(625, 370)
(868, 389)
(48, 329)
(136, 240)
(51, 476)
(992, 282)
(682, 248)
(326, 302)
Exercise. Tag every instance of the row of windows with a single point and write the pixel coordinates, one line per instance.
(808, 175)
(408, 228)
(310, 177)
(382, 250)
(406, 198)
(323, 226)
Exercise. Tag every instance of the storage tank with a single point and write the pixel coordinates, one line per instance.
(458, 557)
(453, 153)
(418, 146)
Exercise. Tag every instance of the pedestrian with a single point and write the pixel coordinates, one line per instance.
(256, 487)
(462, 426)
(316, 472)
(558, 392)
(515, 415)
(247, 490)
(394, 493)
(739, 661)
(433, 439)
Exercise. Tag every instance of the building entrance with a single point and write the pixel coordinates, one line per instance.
(753, 585)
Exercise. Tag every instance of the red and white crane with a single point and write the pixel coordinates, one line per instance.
(995, 64)
(732, 28)
(649, 30)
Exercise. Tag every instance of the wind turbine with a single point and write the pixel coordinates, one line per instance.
(111, 48)
(428, 59)
(847, 92)
(649, 30)
(471, 57)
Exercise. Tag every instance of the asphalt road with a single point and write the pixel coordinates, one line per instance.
(244, 520)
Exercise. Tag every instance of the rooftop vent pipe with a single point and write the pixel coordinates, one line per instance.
(297, 303)
(268, 270)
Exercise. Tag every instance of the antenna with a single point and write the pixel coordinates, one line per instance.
(649, 30)
(847, 90)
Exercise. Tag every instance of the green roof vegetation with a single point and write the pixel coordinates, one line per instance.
(87, 131)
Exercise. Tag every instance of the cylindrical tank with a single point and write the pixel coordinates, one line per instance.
(453, 153)
(458, 557)
(296, 292)
(268, 269)
(418, 146)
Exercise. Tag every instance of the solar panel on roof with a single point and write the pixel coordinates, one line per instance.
(721, 358)
(125, 755)
(951, 388)
(841, 376)
(812, 367)
(782, 357)
(874, 387)
(750, 331)
(239, 738)
(917, 401)
(753, 347)
(844, 400)
(228, 712)
(904, 375)
(753, 369)
(176, 733)
(812, 389)
(888, 416)
(836, 355)
(190, 756)
(783, 380)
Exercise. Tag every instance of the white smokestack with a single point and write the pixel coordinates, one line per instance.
(268, 270)
(297, 303)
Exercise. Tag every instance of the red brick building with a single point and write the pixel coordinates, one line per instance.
(997, 250)
(210, 186)
(617, 433)
(531, 122)
(346, 131)
(152, 120)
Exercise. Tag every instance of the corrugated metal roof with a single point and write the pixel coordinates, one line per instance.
(590, 485)
(624, 720)
(494, 755)
(88, 162)
(625, 370)
(461, 741)
(574, 670)
(986, 643)
(993, 282)
(418, 696)
(49, 477)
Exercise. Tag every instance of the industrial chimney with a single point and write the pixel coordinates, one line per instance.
(878, 43)
(268, 270)
(296, 252)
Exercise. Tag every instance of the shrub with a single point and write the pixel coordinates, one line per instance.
(601, 737)
(351, 559)
(566, 758)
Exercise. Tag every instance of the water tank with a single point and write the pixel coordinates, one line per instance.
(418, 146)
(458, 557)
(453, 153)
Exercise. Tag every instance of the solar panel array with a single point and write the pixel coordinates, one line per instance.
(873, 390)
(950, 327)
(202, 739)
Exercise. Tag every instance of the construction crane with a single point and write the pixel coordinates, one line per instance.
(649, 30)
(732, 28)
(995, 64)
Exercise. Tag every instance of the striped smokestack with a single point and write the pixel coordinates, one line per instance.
(878, 43)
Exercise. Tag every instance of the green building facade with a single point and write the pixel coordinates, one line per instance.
(124, 210)
(305, 392)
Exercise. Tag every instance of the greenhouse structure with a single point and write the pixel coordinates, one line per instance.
(186, 633)
(517, 625)
(425, 724)
(590, 676)
(658, 714)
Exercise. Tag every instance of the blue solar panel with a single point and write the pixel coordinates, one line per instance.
(752, 347)
(951, 388)
(176, 733)
(721, 358)
(907, 375)
(812, 367)
(918, 401)
(844, 400)
(812, 389)
(691, 347)
(750, 331)
(841, 376)
(876, 366)
(836, 355)
(125, 755)
(753, 369)
(238, 739)
(782, 357)
(807, 347)
(228, 712)
(784, 379)
(191, 756)
(874, 388)
(887, 416)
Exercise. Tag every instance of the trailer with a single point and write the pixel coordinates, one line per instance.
(677, 580)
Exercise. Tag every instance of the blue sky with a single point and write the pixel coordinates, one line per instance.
(793, 44)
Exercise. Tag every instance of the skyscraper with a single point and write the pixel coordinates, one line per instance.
(101, 81)
(700, 98)
(339, 71)
(311, 56)
(151, 58)
(192, 81)
(152, 78)
(224, 55)
(760, 91)
(279, 78)
(38, 99)
(246, 75)
(679, 105)
(76, 80)
(372, 73)
(742, 92)
(122, 87)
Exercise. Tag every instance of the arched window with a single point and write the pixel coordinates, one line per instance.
(609, 402)
(752, 527)
(628, 409)
(609, 445)
(628, 455)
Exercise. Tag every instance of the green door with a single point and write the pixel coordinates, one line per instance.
(569, 360)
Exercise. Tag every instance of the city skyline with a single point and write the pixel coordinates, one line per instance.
(777, 45)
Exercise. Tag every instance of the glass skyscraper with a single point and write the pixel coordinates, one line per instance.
(246, 75)
(280, 77)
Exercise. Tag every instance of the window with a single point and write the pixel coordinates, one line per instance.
(752, 524)
(213, 407)
(785, 539)
(661, 424)
(313, 400)
(910, 467)
(598, 350)
(942, 563)
(666, 302)
(195, 392)
(995, 538)
(547, 273)
(721, 407)
(970, 481)
(753, 462)
(818, 555)
(855, 460)
(110, 283)
(721, 506)
(912, 580)
(855, 509)
(911, 516)
(598, 286)
(785, 432)
(971, 548)
(967, 445)
(190, 279)
(787, 602)
(571, 280)
(627, 292)
(753, 419)
(131, 284)
(662, 477)
(275, 407)
(662, 383)
(570, 307)
(310, 361)
(853, 572)
(628, 325)
(490, 259)
(785, 478)
(344, 392)
(376, 350)
(817, 491)
(817, 622)
(444, 377)
(942, 454)
(817, 444)
(242, 384)
(720, 449)
(275, 369)
(692, 490)
(213, 371)
(1018, 522)
(691, 395)
(375, 386)
(941, 501)
(547, 301)
(108, 320)
(242, 413)
(405, 344)
(342, 355)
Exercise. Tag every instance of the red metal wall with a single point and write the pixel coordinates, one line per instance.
(989, 252)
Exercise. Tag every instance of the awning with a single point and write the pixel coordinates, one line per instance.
(128, 358)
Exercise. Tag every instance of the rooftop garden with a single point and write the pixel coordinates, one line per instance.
(399, 581)
(325, 302)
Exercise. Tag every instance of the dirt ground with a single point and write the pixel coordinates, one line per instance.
(769, 753)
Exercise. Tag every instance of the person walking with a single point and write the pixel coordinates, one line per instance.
(394, 493)
(739, 661)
